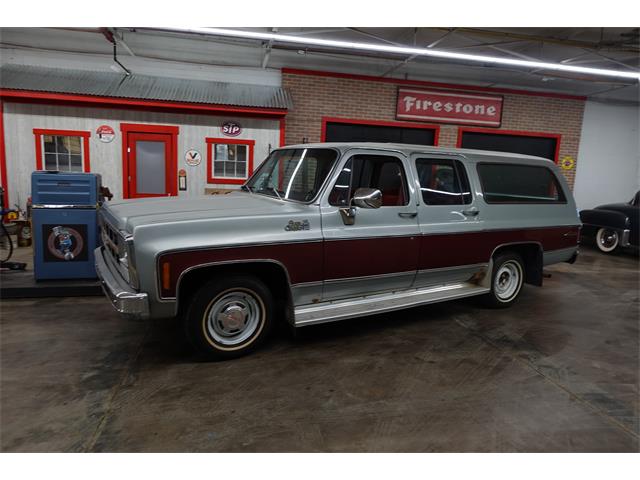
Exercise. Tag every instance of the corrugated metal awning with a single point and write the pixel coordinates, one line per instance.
(145, 87)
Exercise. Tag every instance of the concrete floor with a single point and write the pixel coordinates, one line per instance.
(557, 372)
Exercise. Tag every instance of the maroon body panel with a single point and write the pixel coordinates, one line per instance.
(448, 250)
(337, 259)
(303, 261)
(370, 256)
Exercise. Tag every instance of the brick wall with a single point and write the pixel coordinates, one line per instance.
(315, 97)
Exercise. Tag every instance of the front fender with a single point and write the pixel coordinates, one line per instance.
(604, 218)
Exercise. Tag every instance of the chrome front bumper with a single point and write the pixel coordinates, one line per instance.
(123, 298)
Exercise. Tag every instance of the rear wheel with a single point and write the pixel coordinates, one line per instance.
(607, 239)
(506, 280)
(229, 318)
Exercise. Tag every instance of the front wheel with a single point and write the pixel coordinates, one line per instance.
(230, 317)
(607, 240)
(6, 245)
(506, 280)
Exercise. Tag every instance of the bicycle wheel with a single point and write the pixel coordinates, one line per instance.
(6, 245)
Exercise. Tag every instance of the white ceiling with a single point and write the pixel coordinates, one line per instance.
(612, 48)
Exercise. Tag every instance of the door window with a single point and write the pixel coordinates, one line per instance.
(382, 172)
(443, 182)
(150, 167)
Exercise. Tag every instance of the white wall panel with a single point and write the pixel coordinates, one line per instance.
(106, 158)
(608, 168)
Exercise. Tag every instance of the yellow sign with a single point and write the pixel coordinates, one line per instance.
(567, 162)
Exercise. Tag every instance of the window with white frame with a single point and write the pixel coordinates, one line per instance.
(63, 153)
(230, 160)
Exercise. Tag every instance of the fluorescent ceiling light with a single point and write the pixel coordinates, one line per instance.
(429, 52)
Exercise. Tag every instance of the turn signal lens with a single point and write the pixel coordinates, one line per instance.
(166, 274)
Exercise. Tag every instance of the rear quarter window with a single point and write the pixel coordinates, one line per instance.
(511, 183)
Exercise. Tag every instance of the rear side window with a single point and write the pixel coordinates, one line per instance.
(443, 182)
(509, 183)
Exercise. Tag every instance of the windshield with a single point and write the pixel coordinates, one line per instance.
(293, 173)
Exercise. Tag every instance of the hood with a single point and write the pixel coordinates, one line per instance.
(128, 214)
(625, 208)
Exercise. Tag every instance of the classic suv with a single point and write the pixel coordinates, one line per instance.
(325, 232)
(615, 225)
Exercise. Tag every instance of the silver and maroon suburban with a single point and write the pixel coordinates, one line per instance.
(325, 232)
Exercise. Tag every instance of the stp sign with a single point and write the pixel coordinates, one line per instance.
(449, 107)
(231, 129)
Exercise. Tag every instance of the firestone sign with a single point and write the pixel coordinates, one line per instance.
(449, 107)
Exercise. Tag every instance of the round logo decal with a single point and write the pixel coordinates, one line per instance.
(105, 133)
(65, 243)
(567, 162)
(192, 158)
(231, 129)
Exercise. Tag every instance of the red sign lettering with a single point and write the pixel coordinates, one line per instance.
(436, 106)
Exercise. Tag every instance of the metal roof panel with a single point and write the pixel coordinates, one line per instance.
(108, 84)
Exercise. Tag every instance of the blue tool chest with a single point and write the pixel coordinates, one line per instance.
(64, 224)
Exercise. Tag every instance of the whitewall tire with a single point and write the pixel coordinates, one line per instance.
(607, 239)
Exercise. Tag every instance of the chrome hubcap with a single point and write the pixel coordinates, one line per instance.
(608, 238)
(507, 281)
(233, 317)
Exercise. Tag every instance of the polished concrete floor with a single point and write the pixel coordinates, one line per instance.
(557, 372)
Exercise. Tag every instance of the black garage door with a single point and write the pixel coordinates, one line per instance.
(538, 146)
(352, 132)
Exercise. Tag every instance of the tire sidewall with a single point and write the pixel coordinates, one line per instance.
(499, 261)
(199, 305)
(600, 233)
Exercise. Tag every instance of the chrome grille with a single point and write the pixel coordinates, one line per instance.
(111, 240)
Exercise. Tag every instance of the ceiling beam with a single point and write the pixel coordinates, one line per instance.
(376, 37)
(412, 57)
(550, 40)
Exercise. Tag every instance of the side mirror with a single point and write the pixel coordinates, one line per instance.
(367, 198)
(363, 198)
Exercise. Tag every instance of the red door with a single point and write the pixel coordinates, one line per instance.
(151, 165)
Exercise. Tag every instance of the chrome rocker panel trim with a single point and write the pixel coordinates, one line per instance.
(384, 302)
(123, 298)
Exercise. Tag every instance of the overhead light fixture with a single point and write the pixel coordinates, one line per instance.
(428, 52)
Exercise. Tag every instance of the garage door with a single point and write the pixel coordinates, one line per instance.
(539, 146)
(354, 132)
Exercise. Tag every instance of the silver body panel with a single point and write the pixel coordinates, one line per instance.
(161, 225)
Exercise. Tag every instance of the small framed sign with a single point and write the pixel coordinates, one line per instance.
(192, 158)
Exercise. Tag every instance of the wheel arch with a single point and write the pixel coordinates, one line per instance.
(532, 255)
(271, 272)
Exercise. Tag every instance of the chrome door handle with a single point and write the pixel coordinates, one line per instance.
(472, 212)
(408, 214)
